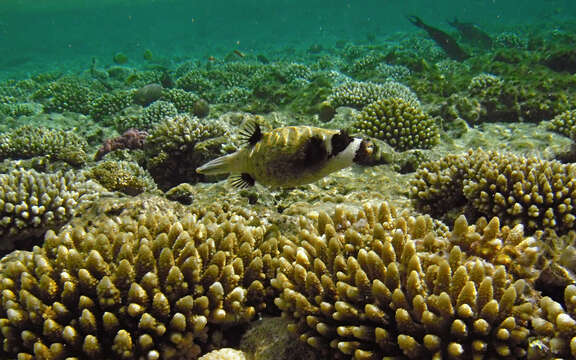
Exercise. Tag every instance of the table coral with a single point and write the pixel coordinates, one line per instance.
(30, 141)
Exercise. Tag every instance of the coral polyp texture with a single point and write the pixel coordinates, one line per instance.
(556, 327)
(32, 202)
(374, 285)
(30, 141)
(153, 286)
(358, 94)
(124, 176)
(178, 145)
(398, 122)
(565, 123)
(537, 193)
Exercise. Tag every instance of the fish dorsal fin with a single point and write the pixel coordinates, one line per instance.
(242, 181)
(251, 133)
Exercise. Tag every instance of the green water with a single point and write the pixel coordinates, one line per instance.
(47, 34)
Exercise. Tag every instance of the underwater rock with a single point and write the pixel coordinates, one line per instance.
(148, 94)
(563, 60)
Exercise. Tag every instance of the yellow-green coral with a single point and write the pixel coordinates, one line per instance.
(157, 287)
(358, 94)
(66, 95)
(555, 328)
(124, 176)
(30, 141)
(178, 145)
(565, 123)
(539, 194)
(33, 202)
(374, 285)
(399, 123)
(111, 103)
(155, 113)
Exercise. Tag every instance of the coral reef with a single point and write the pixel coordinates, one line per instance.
(565, 123)
(399, 123)
(374, 285)
(32, 203)
(124, 176)
(31, 141)
(155, 113)
(130, 139)
(155, 285)
(66, 95)
(180, 144)
(518, 190)
(184, 101)
(110, 103)
(359, 94)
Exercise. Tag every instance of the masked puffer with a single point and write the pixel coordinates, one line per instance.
(288, 156)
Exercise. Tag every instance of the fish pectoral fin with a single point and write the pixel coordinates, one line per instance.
(242, 181)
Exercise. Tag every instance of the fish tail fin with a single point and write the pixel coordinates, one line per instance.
(222, 165)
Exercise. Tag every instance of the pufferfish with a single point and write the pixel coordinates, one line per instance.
(289, 156)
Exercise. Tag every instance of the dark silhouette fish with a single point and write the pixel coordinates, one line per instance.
(472, 34)
(445, 41)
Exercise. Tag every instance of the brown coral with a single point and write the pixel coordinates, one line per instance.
(539, 194)
(156, 287)
(371, 285)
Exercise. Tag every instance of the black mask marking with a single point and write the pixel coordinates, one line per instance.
(340, 142)
(314, 152)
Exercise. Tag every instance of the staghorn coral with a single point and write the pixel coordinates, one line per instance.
(374, 285)
(124, 176)
(399, 123)
(178, 145)
(565, 123)
(151, 286)
(29, 141)
(32, 202)
(358, 94)
(518, 190)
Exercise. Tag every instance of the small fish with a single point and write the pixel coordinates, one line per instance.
(289, 156)
(472, 34)
(442, 39)
(239, 53)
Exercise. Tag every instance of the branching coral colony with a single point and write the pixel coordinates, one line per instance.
(367, 284)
